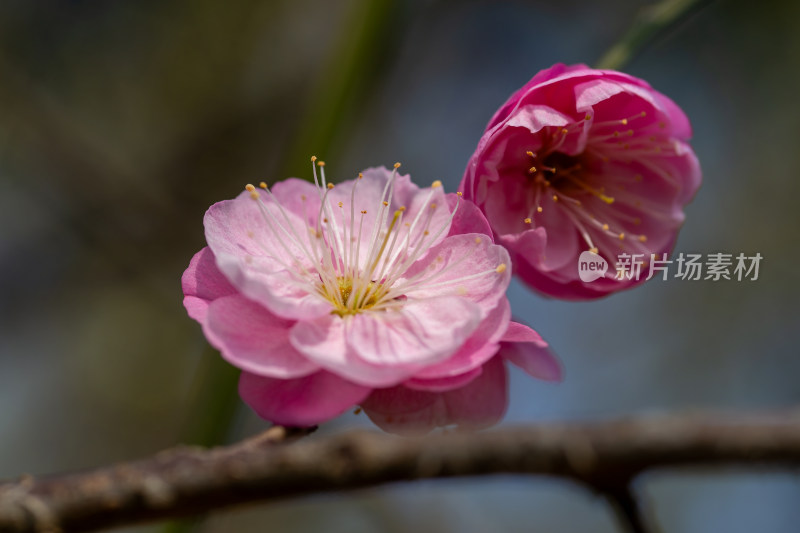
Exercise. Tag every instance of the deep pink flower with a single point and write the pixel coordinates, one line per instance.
(582, 159)
(373, 292)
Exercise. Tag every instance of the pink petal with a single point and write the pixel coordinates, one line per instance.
(524, 347)
(260, 259)
(468, 217)
(323, 340)
(443, 384)
(445, 267)
(480, 403)
(482, 345)
(202, 283)
(422, 332)
(305, 401)
(253, 339)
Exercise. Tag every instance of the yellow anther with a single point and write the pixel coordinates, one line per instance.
(385, 203)
(616, 134)
(624, 121)
(564, 131)
(532, 170)
(539, 209)
(630, 133)
(527, 221)
(325, 220)
(330, 185)
(263, 185)
(587, 117)
(459, 193)
(401, 209)
(426, 232)
(605, 227)
(436, 184)
(249, 187)
(622, 236)
(644, 114)
(397, 165)
(320, 163)
(529, 153)
(477, 240)
(642, 238)
(555, 198)
(254, 195)
(341, 204)
(313, 158)
(303, 198)
(433, 206)
(360, 175)
(364, 212)
(500, 268)
(594, 250)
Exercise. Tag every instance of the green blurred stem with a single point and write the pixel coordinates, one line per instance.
(651, 22)
(344, 80)
(342, 83)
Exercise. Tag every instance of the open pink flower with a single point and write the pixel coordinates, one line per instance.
(373, 292)
(583, 160)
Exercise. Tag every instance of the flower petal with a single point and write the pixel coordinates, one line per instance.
(480, 403)
(443, 384)
(463, 265)
(524, 347)
(422, 331)
(304, 401)
(468, 217)
(323, 340)
(481, 346)
(202, 282)
(264, 255)
(253, 339)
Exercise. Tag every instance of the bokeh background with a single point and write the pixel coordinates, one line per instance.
(121, 122)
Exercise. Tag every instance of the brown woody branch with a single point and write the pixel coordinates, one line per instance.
(605, 456)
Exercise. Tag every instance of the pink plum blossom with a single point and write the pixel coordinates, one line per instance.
(580, 160)
(373, 292)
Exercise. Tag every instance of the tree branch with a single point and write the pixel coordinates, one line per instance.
(605, 456)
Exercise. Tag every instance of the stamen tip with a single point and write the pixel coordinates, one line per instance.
(320, 163)
(539, 209)
(594, 250)
(459, 193)
(500, 268)
(622, 236)
(478, 240)
(436, 184)
(330, 185)
(527, 220)
(263, 185)
(642, 238)
(397, 165)
(254, 195)
(313, 158)
(249, 187)
(385, 203)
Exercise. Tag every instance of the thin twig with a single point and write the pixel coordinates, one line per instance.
(602, 456)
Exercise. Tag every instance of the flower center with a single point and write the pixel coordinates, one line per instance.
(565, 182)
(355, 262)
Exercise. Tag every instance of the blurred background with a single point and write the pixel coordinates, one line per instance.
(121, 122)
